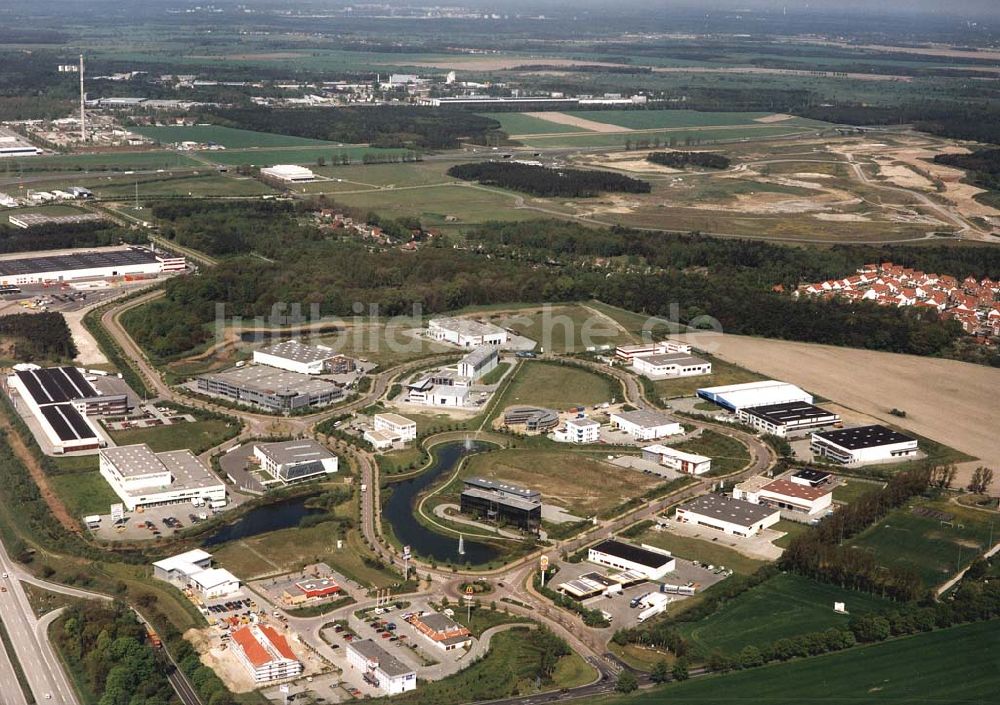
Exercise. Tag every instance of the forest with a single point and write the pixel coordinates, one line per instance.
(116, 663)
(58, 236)
(682, 160)
(30, 337)
(546, 182)
(414, 127)
(983, 166)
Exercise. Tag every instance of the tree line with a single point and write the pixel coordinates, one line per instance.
(547, 182)
(58, 237)
(37, 336)
(682, 160)
(416, 127)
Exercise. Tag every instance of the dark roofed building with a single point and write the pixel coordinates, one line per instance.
(654, 564)
(788, 417)
(502, 503)
(862, 444)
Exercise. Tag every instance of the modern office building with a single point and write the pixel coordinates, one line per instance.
(670, 365)
(502, 503)
(579, 430)
(379, 668)
(193, 571)
(271, 388)
(862, 444)
(399, 427)
(295, 461)
(629, 352)
(479, 362)
(534, 419)
(141, 477)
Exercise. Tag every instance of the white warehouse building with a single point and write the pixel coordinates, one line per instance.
(94, 264)
(466, 332)
(288, 173)
(141, 477)
(862, 444)
(380, 668)
(645, 424)
(670, 365)
(651, 562)
(294, 356)
(741, 396)
(688, 463)
(193, 571)
(728, 515)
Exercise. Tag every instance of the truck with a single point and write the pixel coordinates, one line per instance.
(364, 487)
(652, 612)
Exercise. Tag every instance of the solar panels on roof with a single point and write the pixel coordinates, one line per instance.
(67, 422)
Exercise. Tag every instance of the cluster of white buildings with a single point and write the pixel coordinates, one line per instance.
(141, 477)
(466, 333)
(193, 571)
(389, 430)
(663, 359)
(974, 304)
(450, 386)
(790, 494)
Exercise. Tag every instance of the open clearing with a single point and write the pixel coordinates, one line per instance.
(556, 386)
(577, 121)
(695, 549)
(792, 604)
(582, 484)
(944, 400)
(230, 137)
(563, 329)
(956, 665)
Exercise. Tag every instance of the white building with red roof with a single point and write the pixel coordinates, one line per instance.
(265, 653)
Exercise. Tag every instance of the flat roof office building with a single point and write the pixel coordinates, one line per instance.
(671, 365)
(295, 461)
(294, 356)
(502, 503)
(141, 477)
(687, 463)
(466, 332)
(645, 424)
(788, 417)
(271, 388)
(731, 516)
(651, 562)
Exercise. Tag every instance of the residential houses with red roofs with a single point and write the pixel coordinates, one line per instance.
(974, 304)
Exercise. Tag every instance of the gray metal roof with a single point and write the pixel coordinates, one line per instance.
(271, 380)
(387, 663)
(725, 508)
(300, 451)
(644, 417)
(298, 352)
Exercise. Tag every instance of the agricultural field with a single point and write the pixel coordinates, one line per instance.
(306, 156)
(695, 549)
(203, 184)
(722, 373)
(682, 136)
(198, 436)
(229, 137)
(525, 124)
(564, 329)
(934, 537)
(794, 605)
(106, 161)
(956, 665)
(669, 119)
(84, 493)
(581, 483)
(557, 386)
(360, 176)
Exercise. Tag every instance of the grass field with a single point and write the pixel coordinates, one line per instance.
(523, 124)
(384, 345)
(581, 483)
(108, 161)
(292, 155)
(230, 137)
(698, 550)
(84, 493)
(197, 436)
(792, 604)
(557, 386)
(955, 666)
(791, 529)
(357, 176)
(562, 329)
(682, 137)
(936, 550)
(653, 119)
(722, 373)
(850, 489)
(727, 454)
(204, 184)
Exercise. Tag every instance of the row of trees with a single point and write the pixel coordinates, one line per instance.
(58, 237)
(37, 336)
(546, 182)
(682, 160)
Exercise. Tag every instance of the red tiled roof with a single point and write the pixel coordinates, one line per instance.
(278, 641)
(253, 649)
(792, 489)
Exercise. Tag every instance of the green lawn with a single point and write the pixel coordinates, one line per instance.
(557, 386)
(229, 137)
(653, 119)
(523, 124)
(563, 329)
(727, 454)
(850, 489)
(208, 183)
(936, 550)
(955, 666)
(496, 374)
(198, 436)
(385, 345)
(791, 529)
(84, 493)
(782, 607)
(108, 161)
(292, 155)
(711, 552)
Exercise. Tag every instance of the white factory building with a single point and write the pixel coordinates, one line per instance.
(663, 347)
(265, 653)
(675, 364)
(688, 463)
(645, 424)
(295, 461)
(288, 173)
(389, 429)
(380, 668)
(480, 362)
(193, 571)
(730, 516)
(578, 430)
(651, 562)
(141, 477)
(293, 356)
(95, 264)
(862, 444)
(466, 332)
(741, 396)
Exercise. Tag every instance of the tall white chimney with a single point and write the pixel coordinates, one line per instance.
(83, 113)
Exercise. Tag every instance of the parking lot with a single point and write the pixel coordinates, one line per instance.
(165, 520)
(623, 615)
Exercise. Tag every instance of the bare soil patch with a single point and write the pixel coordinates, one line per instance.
(582, 123)
(777, 117)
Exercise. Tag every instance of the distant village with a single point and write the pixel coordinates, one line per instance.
(974, 304)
